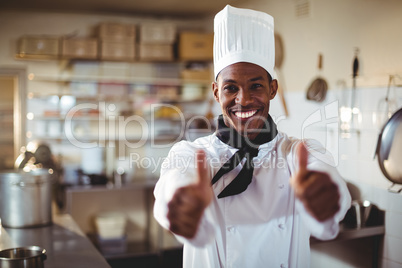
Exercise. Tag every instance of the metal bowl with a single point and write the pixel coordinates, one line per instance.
(23, 257)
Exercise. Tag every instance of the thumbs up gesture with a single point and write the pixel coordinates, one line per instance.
(318, 193)
(189, 202)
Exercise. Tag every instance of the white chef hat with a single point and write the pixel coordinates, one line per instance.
(243, 35)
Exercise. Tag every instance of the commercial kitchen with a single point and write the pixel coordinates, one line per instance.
(94, 95)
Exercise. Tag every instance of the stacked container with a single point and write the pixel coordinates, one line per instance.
(117, 41)
(156, 41)
(80, 48)
(38, 46)
(111, 232)
(196, 46)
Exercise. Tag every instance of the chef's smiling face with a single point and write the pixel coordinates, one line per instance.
(244, 91)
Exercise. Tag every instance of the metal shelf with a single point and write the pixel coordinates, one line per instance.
(138, 184)
(354, 233)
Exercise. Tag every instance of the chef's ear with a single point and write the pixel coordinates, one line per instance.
(273, 89)
(215, 90)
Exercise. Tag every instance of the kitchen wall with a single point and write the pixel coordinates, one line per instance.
(335, 28)
(7, 154)
(354, 157)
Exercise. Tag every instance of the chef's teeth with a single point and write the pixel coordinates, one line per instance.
(245, 114)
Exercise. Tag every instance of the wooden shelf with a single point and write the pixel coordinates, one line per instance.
(156, 138)
(118, 80)
(75, 118)
(131, 97)
(114, 118)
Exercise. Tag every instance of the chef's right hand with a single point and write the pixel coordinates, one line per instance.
(188, 203)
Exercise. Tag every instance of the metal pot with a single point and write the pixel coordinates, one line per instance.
(25, 198)
(24, 257)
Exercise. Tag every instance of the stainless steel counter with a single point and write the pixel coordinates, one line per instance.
(64, 242)
(371, 235)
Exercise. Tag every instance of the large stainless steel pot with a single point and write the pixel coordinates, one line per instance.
(24, 257)
(25, 198)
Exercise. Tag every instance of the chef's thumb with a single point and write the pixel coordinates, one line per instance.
(301, 169)
(302, 157)
(203, 176)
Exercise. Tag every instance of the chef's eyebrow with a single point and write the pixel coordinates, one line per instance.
(229, 81)
(256, 79)
(250, 80)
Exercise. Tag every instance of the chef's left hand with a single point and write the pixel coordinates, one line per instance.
(318, 193)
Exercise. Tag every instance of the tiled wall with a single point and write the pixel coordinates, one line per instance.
(355, 163)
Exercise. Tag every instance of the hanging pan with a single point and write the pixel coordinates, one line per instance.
(389, 149)
(318, 88)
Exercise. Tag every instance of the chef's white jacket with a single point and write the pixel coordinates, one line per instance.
(264, 226)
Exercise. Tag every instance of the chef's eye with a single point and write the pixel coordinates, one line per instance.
(230, 88)
(256, 86)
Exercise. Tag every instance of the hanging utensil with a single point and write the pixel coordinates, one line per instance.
(386, 106)
(389, 149)
(278, 64)
(318, 88)
(355, 74)
(354, 111)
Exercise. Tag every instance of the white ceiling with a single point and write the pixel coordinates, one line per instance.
(177, 8)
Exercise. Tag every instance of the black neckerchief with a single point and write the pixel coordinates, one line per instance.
(247, 148)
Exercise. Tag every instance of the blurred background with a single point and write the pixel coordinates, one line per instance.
(99, 91)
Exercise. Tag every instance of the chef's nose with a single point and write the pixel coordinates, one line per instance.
(243, 97)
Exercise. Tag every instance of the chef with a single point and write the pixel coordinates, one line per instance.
(248, 195)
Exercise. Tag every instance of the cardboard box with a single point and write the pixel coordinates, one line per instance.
(116, 69)
(157, 33)
(117, 31)
(192, 92)
(156, 52)
(80, 48)
(123, 50)
(167, 92)
(113, 89)
(38, 47)
(196, 46)
(197, 74)
(84, 88)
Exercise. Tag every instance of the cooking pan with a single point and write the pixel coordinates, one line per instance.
(389, 149)
(318, 88)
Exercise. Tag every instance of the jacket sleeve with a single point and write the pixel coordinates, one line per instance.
(321, 160)
(178, 170)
